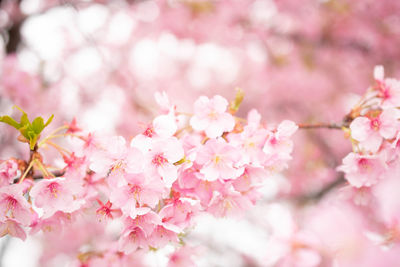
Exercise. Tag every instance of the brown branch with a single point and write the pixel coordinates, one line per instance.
(321, 126)
(55, 173)
(318, 195)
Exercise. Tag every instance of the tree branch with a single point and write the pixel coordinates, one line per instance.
(316, 196)
(321, 125)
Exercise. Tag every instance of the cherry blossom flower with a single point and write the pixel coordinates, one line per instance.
(279, 145)
(228, 203)
(388, 89)
(370, 131)
(182, 257)
(106, 212)
(138, 196)
(137, 232)
(211, 116)
(161, 158)
(178, 215)
(13, 205)
(116, 160)
(132, 239)
(363, 170)
(57, 194)
(8, 171)
(219, 160)
(13, 228)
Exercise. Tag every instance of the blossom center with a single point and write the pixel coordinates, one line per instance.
(149, 132)
(364, 164)
(11, 203)
(159, 160)
(375, 124)
(135, 190)
(118, 165)
(217, 159)
(53, 188)
(212, 115)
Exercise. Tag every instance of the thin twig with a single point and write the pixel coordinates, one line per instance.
(321, 126)
(54, 173)
(316, 196)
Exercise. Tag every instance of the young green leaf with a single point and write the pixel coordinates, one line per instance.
(31, 131)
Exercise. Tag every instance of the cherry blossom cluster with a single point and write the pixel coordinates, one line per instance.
(373, 166)
(179, 166)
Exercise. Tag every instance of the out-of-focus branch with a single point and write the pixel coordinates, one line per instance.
(316, 196)
(14, 37)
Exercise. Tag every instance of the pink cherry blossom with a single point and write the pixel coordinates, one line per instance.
(165, 125)
(228, 203)
(13, 204)
(278, 146)
(116, 160)
(137, 232)
(211, 116)
(132, 239)
(57, 194)
(363, 170)
(161, 157)
(182, 257)
(13, 228)
(370, 131)
(178, 215)
(106, 212)
(388, 89)
(251, 139)
(219, 160)
(138, 196)
(54, 224)
(8, 171)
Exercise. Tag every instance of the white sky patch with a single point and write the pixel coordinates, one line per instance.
(160, 257)
(31, 6)
(92, 18)
(147, 11)
(227, 234)
(105, 113)
(29, 61)
(187, 48)
(256, 52)
(84, 63)
(69, 93)
(22, 253)
(120, 28)
(45, 34)
(144, 59)
(199, 78)
(262, 11)
(216, 59)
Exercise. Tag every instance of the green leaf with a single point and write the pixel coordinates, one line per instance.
(49, 120)
(24, 120)
(235, 104)
(31, 131)
(38, 125)
(10, 121)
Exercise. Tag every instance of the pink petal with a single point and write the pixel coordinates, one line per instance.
(373, 143)
(287, 128)
(219, 104)
(199, 123)
(165, 125)
(169, 173)
(360, 128)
